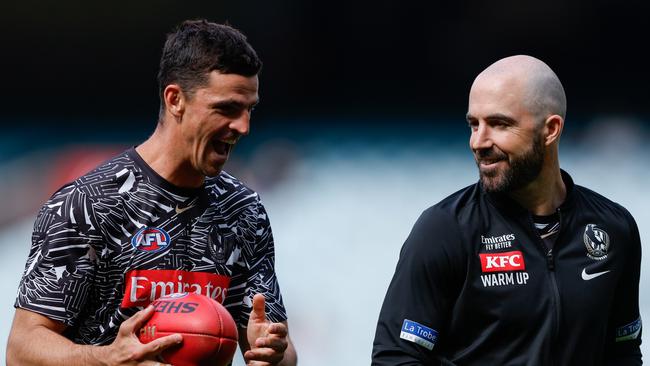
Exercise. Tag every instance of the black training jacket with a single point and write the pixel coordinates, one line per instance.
(475, 285)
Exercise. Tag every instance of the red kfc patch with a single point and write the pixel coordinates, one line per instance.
(502, 262)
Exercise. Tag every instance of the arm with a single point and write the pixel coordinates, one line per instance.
(37, 340)
(624, 327)
(264, 343)
(411, 329)
(265, 340)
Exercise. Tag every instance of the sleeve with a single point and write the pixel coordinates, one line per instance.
(624, 326)
(260, 276)
(413, 321)
(60, 268)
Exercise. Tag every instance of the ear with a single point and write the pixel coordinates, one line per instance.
(553, 129)
(174, 100)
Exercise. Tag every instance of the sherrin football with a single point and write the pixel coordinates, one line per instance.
(209, 331)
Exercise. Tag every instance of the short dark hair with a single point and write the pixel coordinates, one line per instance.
(197, 47)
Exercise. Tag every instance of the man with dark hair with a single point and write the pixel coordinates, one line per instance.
(162, 217)
(523, 267)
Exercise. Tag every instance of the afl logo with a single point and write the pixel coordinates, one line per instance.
(596, 241)
(150, 239)
(177, 295)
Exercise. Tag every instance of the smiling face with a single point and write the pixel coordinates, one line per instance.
(506, 138)
(211, 120)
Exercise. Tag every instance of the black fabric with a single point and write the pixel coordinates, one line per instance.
(475, 270)
(548, 228)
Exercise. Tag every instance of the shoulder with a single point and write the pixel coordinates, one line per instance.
(112, 177)
(104, 181)
(596, 202)
(228, 192)
(436, 243)
(440, 224)
(448, 210)
(595, 210)
(227, 184)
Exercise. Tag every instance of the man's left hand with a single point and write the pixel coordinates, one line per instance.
(268, 341)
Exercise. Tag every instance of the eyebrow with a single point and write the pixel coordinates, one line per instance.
(230, 103)
(501, 117)
(493, 117)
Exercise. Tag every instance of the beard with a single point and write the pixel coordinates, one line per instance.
(519, 171)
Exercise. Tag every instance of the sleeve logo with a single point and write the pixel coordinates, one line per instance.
(629, 332)
(418, 334)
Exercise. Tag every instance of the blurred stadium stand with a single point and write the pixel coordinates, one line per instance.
(341, 202)
(361, 125)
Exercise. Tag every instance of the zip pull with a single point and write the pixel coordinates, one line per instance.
(550, 263)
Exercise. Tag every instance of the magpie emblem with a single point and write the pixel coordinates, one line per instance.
(596, 241)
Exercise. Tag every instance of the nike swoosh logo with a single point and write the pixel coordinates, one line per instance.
(586, 276)
(181, 210)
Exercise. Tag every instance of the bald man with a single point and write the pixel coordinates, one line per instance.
(524, 267)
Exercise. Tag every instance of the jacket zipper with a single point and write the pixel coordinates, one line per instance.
(550, 266)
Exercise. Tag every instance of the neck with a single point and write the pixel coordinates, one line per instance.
(161, 153)
(544, 195)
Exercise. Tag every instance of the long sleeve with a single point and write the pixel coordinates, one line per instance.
(418, 303)
(624, 327)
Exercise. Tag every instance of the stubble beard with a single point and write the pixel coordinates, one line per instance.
(519, 172)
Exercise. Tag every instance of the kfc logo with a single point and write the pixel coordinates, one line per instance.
(502, 262)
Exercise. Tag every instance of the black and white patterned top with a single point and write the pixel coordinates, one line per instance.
(112, 241)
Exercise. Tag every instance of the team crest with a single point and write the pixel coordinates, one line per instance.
(220, 245)
(596, 241)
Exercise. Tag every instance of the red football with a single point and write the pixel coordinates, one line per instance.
(209, 331)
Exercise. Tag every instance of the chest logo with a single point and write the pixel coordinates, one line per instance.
(150, 239)
(498, 242)
(502, 262)
(596, 241)
(221, 246)
(180, 210)
(143, 286)
(590, 276)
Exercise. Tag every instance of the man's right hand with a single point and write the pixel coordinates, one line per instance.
(37, 340)
(127, 349)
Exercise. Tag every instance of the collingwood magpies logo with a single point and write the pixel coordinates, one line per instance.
(596, 241)
(220, 246)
